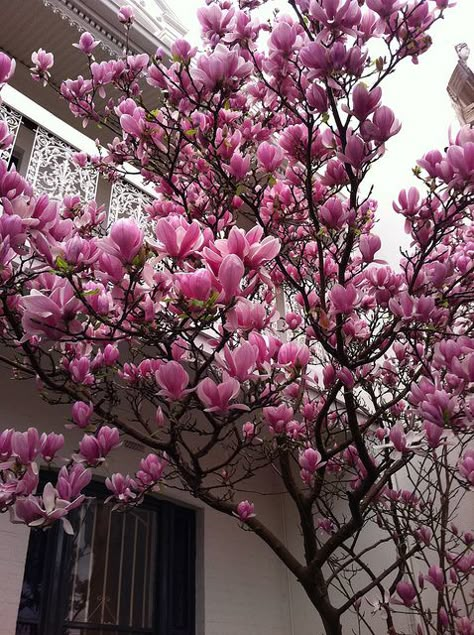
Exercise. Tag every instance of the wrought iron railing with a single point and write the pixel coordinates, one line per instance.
(47, 163)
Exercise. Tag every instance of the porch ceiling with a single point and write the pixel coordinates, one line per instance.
(28, 25)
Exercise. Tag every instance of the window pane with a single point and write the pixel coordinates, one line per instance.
(27, 629)
(33, 582)
(81, 568)
(108, 578)
(112, 573)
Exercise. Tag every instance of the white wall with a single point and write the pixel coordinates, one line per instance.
(242, 587)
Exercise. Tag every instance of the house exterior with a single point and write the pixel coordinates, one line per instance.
(461, 87)
(193, 570)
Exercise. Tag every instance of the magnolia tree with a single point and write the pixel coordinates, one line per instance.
(285, 346)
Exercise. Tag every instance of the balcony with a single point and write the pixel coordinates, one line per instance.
(44, 158)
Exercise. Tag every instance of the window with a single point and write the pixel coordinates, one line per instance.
(121, 573)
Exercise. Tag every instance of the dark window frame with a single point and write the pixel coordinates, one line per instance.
(175, 587)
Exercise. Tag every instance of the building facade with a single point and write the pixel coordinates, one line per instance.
(461, 87)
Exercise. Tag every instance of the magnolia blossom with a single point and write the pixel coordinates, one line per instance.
(125, 240)
(7, 68)
(86, 43)
(217, 397)
(173, 380)
(245, 511)
(42, 63)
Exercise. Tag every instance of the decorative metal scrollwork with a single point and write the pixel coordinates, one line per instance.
(13, 120)
(52, 171)
(128, 201)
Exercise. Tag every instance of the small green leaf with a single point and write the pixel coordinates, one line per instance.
(61, 264)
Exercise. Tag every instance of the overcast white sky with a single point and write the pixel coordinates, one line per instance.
(418, 96)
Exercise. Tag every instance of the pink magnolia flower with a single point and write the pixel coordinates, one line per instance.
(220, 68)
(466, 466)
(126, 14)
(231, 272)
(177, 238)
(464, 626)
(196, 285)
(346, 377)
(6, 444)
(241, 362)
(277, 417)
(26, 445)
(39, 511)
(293, 320)
(50, 315)
(6, 139)
(315, 56)
(123, 488)
(151, 469)
(383, 126)
(72, 480)
(28, 483)
(42, 63)
(283, 37)
(269, 156)
(182, 50)
(248, 430)
(94, 449)
(7, 68)
(384, 8)
(406, 592)
(369, 245)
(356, 152)
(173, 380)
(86, 43)
(333, 213)
(293, 354)
(310, 460)
(79, 369)
(365, 102)
(337, 14)
(111, 354)
(239, 166)
(124, 240)
(398, 437)
(343, 299)
(436, 577)
(214, 21)
(245, 510)
(217, 397)
(424, 534)
(50, 444)
(317, 98)
(433, 433)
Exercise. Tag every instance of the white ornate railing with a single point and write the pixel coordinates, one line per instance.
(52, 171)
(13, 119)
(128, 201)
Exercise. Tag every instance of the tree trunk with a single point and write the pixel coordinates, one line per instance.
(332, 624)
(328, 614)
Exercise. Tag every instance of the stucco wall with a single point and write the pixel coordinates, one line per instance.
(242, 588)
